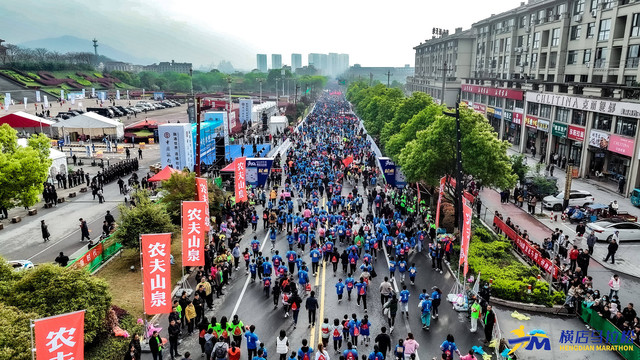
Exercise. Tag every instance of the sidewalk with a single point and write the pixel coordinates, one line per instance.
(540, 227)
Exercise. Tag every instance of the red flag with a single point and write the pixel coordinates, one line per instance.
(202, 194)
(156, 273)
(60, 337)
(193, 232)
(241, 182)
(348, 160)
(466, 237)
(440, 193)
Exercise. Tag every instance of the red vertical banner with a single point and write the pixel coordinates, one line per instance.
(466, 237)
(202, 194)
(60, 337)
(156, 273)
(440, 194)
(241, 181)
(193, 232)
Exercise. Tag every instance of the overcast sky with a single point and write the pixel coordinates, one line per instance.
(373, 33)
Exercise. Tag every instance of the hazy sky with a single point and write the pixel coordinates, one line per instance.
(373, 33)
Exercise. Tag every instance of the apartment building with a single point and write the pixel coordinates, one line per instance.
(560, 77)
(450, 52)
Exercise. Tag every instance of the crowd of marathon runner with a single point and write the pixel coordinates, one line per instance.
(331, 205)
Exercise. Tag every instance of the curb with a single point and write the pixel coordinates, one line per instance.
(555, 310)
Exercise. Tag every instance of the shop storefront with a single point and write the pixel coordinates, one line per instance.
(610, 155)
(494, 115)
(560, 144)
(512, 127)
(576, 136)
(621, 151)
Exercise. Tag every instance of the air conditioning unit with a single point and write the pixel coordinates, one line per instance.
(593, 13)
(577, 18)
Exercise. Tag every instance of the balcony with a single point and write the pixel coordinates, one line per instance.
(632, 63)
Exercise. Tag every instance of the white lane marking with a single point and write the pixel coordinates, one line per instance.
(246, 283)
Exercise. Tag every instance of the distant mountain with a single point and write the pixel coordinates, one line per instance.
(70, 43)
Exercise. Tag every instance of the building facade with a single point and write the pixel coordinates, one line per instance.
(296, 62)
(560, 77)
(261, 60)
(183, 68)
(276, 61)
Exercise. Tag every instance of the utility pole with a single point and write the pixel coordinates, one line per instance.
(198, 170)
(458, 167)
(388, 77)
(444, 82)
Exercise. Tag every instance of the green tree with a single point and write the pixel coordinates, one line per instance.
(519, 166)
(408, 131)
(50, 290)
(432, 154)
(23, 170)
(404, 110)
(15, 337)
(182, 187)
(144, 218)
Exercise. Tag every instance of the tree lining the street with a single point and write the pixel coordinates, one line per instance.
(422, 140)
(23, 169)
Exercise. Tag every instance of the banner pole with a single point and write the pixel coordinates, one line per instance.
(33, 347)
(144, 310)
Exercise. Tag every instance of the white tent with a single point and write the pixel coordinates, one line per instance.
(58, 161)
(277, 124)
(90, 124)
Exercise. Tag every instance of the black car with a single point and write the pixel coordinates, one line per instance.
(116, 111)
(102, 111)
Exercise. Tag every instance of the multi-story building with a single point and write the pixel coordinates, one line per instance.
(449, 55)
(560, 76)
(296, 62)
(166, 66)
(261, 60)
(319, 61)
(122, 66)
(382, 74)
(276, 61)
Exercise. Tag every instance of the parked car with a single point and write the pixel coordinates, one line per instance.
(102, 111)
(576, 198)
(604, 230)
(134, 109)
(19, 265)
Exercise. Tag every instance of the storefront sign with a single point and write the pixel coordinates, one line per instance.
(559, 130)
(490, 110)
(501, 93)
(599, 139)
(497, 113)
(543, 125)
(514, 117)
(621, 145)
(580, 103)
(479, 108)
(531, 122)
(576, 133)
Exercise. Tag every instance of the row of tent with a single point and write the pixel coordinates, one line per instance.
(89, 123)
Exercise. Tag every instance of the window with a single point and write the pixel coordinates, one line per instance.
(523, 21)
(509, 104)
(519, 104)
(579, 117)
(575, 32)
(594, 5)
(536, 40)
(633, 54)
(591, 30)
(578, 7)
(630, 80)
(553, 56)
(534, 59)
(626, 126)
(602, 122)
(520, 41)
(562, 114)
(587, 56)
(601, 57)
(483, 99)
(607, 4)
(605, 28)
(492, 101)
(545, 111)
(635, 25)
(532, 108)
(572, 57)
(555, 37)
(507, 45)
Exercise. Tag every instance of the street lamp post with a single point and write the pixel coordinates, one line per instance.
(260, 80)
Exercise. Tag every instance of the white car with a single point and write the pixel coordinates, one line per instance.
(604, 230)
(19, 265)
(576, 198)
